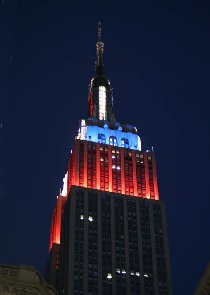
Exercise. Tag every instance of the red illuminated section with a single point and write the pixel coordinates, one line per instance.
(56, 221)
(113, 169)
(107, 168)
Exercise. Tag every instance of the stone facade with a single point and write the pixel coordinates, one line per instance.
(23, 280)
(203, 287)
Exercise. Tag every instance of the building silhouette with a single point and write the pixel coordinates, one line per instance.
(108, 231)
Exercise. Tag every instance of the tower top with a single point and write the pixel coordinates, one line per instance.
(100, 97)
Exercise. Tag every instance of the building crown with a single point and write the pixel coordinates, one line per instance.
(100, 96)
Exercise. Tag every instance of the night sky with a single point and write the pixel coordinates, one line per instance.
(157, 57)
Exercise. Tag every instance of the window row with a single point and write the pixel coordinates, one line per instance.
(113, 140)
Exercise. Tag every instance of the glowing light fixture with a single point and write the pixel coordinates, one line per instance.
(102, 103)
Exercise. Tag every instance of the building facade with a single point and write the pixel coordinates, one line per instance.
(108, 230)
(23, 279)
(203, 286)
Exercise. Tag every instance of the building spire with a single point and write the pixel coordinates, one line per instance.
(100, 97)
(99, 52)
(99, 31)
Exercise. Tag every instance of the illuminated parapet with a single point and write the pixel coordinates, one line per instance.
(114, 134)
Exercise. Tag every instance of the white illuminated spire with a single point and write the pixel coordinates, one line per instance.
(102, 103)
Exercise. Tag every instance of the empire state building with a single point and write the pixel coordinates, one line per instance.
(108, 231)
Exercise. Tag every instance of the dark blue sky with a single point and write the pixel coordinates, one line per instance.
(157, 56)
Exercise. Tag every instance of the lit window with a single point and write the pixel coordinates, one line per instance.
(113, 140)
(109, 276)
(90, 218)
(118, 270)
(123, 271)
(81, 217)
(118, 167)
(137, 274)
(101, 138)
(113, 166)
(146, 275)
(132, 273)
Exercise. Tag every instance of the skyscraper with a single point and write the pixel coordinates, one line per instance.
(108, 231)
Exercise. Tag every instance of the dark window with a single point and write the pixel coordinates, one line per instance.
(125, 142)
(101, 138)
